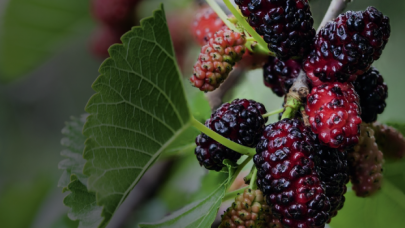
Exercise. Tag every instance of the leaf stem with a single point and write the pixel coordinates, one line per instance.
(253, 184)
(273, 112)
(221, 14)
(233, 194)
(247, 27)
(221, 139)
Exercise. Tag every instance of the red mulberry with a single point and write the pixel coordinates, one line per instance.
(287, 175)
(205, 24)
(334, 114)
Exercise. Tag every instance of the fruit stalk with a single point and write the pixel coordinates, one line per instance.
(224, 141)
(253, 184)
(335, 8)
(233, 194)
(273, 112)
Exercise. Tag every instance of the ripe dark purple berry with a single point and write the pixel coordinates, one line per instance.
(279, 75)
(333, 170)
(373, 92)
(286, 25)
(240, 121)
(347, 46)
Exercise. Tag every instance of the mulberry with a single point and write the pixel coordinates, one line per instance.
(347, 46)
(240, 121)
(217, 59)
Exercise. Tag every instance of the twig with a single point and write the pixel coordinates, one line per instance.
(297, 93)
(300, 88)
(335, 8)
(143, 191)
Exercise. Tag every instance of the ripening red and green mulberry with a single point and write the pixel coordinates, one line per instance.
(286, 25)
(279, 75)
(347, 46)
(249, 210)
(334, 114)
(288, 176)
(217, 59)
(240, 121)
(366, 162)
(373, 92)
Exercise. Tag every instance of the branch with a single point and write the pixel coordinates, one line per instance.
(335, 8)
(300, 88)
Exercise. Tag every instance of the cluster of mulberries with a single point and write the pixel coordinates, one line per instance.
(305, 161)
(115, 17)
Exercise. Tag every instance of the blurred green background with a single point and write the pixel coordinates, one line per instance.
(46, 70)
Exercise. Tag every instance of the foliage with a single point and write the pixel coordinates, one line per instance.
(200, 213)
(33, 30)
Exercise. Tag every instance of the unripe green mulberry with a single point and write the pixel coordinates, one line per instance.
(249, 210)
(366, 164)
(217, 59)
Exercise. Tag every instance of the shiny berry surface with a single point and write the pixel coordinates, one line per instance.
(279, 75)
(373, 92)
(334, 114)
(240, 121)
(286, 25)
(287, 175)
(347, 46)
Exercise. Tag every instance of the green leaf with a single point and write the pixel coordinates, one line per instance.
(139, 110)
(385, 209)
(200, 214)
(83, 205)
(74, 144)
(33, 30)
(20, 201)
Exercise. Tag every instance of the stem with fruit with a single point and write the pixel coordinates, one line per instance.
(242, 21)
(224, 141)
